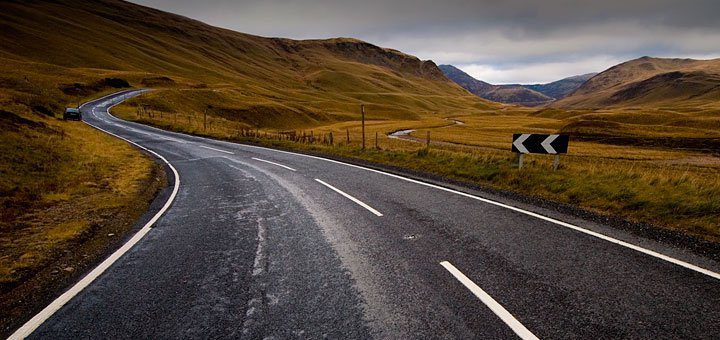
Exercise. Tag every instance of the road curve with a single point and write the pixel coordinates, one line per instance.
(264, 243)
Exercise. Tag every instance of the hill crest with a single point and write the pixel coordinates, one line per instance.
(648, 81)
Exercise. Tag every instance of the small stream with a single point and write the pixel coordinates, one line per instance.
(402, 134)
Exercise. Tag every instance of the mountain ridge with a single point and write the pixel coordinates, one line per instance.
(526, 95)
(648, 81)
(561, 88)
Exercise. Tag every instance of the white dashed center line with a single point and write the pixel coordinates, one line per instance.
(214, 149)
(273, 163)
(494, 306)
(359, 202)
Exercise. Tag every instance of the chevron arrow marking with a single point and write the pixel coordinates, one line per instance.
(519, 143)
(546, 144)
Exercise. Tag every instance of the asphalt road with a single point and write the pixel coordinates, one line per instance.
(260, 243)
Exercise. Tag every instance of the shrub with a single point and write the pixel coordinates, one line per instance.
(116, 83)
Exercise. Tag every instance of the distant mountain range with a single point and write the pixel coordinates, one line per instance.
(650, 82)
(563, 87)
(528, 95)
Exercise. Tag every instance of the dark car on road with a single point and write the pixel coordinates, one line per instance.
(72, 113)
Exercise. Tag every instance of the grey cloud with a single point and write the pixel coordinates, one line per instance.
(490, 32)
(319, 17)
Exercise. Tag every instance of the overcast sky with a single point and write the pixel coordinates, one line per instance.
(497, 41)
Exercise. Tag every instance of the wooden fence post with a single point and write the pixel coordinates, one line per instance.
(362, 108)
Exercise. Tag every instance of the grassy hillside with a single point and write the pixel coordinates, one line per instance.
(651, 83)
(517, 94)
(309, 82)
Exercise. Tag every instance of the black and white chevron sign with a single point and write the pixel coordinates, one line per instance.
(534, 143)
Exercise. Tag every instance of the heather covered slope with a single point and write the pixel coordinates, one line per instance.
(651, 82)
(293, 82)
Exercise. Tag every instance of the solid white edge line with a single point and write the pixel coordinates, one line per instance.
(359, 202)
(485, 200)
(494, 306)
(273, 163)
(214, 149)
(30, 326)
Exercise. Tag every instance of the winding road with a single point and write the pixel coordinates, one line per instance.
(259, 243)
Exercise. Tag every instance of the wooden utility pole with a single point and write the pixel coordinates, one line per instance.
(362, 109)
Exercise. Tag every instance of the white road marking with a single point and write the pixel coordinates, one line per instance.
(173, 140)
(218, 150)
(273, 163)
(519, 210)
(359, 202)
(494, 306)
(54, 306)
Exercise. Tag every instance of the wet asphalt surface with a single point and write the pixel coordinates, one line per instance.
(253, 250)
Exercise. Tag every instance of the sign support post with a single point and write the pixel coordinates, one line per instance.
(520, 160)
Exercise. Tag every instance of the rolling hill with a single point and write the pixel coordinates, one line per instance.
(527, 95)
(650, 82)
(516, 94)
(276, 82)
